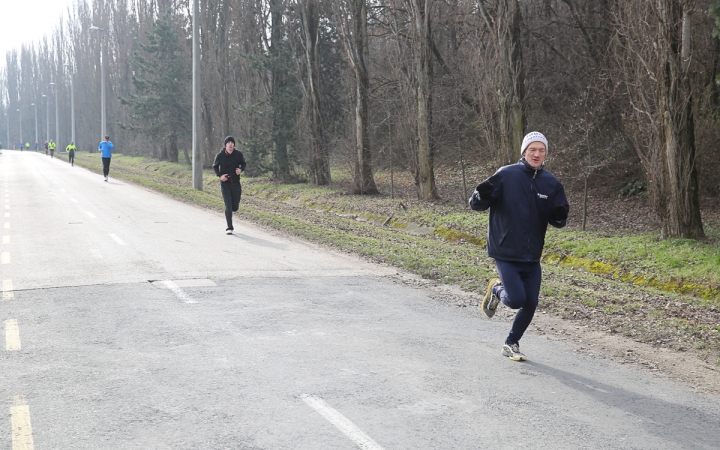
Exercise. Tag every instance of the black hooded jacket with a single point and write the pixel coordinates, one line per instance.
(520, 206)
(226, 164)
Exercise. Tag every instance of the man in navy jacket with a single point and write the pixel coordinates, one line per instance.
(523, 199)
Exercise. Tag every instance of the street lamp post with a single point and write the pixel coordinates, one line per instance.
(7, 123)
(102, 79)
(47, 118)
(36, 140)
(196, 126)
(57, 124)
(20, 120)
(72, 103)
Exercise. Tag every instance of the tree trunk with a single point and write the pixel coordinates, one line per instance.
(681, 204)
(173, 150)
(281, 165)
(223, 67)
(319, 164)
(356, 46)
(422, 67)
(505, 28)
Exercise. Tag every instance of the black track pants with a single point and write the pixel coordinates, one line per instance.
(231, 196)
(106, 166)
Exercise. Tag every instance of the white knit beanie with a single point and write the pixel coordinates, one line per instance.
(533, 136)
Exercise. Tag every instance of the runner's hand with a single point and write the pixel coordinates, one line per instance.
(238, 171)
(223, 178)
(484, 189)
(559, 212)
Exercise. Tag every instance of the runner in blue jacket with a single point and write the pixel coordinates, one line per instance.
(523, 199)
(106, 147)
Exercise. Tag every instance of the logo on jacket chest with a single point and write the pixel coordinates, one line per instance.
(542, 196)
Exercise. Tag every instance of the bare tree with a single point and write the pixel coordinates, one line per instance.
(504, 21)
(281, 163)
(319, 162)
(352, 16)
(655, 53)
(421, 44)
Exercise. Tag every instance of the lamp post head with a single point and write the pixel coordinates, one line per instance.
(94, 28)
(33, 104)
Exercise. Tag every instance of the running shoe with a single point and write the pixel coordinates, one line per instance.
(491, 299)
(228, 231)
(513, 352)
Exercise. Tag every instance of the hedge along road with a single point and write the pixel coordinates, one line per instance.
(132, 321)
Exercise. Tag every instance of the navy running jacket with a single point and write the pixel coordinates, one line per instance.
(520, 205)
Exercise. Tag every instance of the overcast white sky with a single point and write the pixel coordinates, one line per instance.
(27, 21)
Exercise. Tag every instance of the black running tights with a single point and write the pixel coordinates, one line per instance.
(231, 196)
(106, 166)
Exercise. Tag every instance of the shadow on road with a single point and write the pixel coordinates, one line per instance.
(260, 242)
(683, 424)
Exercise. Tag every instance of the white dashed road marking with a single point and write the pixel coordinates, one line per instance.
(96, 253)
(117, 239)
(178, 292)
(73, 200)
(6, 239)
(91, 215)
(5, 257)
(341, 422)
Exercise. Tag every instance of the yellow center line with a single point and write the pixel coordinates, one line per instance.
(7, 225)
(12, 335)
(287, 264)
(7, 214)
(6, 239)
(5, 258)
(7, 206)
(7, 288)
(22, 438)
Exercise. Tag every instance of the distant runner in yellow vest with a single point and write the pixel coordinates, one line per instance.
(71, 152)
(51, 146)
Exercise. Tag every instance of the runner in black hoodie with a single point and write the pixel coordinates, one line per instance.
(228, 165)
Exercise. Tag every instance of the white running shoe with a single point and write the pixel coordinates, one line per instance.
(228, 231)
(513, 352)
(106, 178)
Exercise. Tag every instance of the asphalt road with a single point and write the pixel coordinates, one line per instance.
(131, 321)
